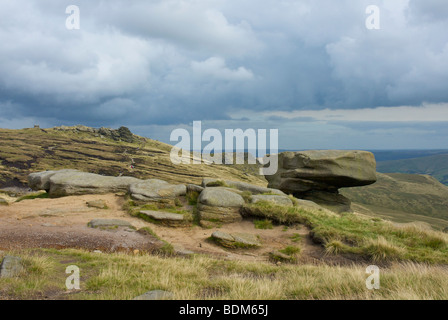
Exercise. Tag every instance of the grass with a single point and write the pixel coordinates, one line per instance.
(125, 276)
(192, 198)
(39, 195)
(263, 224)
(290, 250)
(349, 233)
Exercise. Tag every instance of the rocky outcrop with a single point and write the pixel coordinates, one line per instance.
(317, 175)
(219, 205)
(155, 190)
(242, 186)
(73, 182)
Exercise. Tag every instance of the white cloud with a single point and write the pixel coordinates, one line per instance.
(216, 67)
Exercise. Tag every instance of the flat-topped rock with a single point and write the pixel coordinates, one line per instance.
(68, 183)
(243, 186)
(219, 205)
(220, 197)
(108, 223)
(99, 204)
(41, 180)
(236, 240)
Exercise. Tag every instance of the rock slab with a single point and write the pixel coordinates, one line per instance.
(11, 267)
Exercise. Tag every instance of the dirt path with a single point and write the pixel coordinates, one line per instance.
(62, 223)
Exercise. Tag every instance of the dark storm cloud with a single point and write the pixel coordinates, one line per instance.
(170, 62)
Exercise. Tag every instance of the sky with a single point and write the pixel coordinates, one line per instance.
(309, 68)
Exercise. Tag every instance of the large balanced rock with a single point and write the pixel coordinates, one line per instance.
(317, 175)
(155, 190)
(219, 205)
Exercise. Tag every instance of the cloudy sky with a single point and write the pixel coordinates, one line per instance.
(309, 68)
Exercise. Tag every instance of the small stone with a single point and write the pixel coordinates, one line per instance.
(11, 267)
(155, 295)
(236, 240)
(108, 223)
(100, 204)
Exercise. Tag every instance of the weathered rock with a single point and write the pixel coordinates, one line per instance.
(155, 295)
(243, 186)
(3, 202)
(166, 218)
(109, 223)
(11, 267)
(318, 174)
(236, 240)
(41, 180)
(281, 200)
(79, 183)
(154, 190)
(100, 204)
(219, 205)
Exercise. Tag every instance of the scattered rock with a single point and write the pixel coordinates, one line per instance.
(109, 223)
(236, 240)
(281, 200)
(155, 295)
(242, 186)
(166, 218)
(3, 202)
(318, 174)
(219, 205)
(155, 189)
(11, 267)
(100, 204)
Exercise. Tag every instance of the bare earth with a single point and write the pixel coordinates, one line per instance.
(62, 223)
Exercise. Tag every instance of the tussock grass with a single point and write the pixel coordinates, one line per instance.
(349, 233)
(263, 224)
(124, 276)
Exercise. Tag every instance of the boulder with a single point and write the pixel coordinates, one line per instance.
(236, 240)
(78, 183)
(11, 267)
(242, 186)
(155, 190)
(281, 200)
(318, 174)
(41, 180)
(194, 188)
(219, 205)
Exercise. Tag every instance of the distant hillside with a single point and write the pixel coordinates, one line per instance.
(102, 151)
(403, 198)
(436, 166)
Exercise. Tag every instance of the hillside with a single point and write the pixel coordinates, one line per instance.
(403, 198)
(101, 151)
(436, 166)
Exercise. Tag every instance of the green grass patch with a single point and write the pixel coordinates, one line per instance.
(263, 224)
(40, 195)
